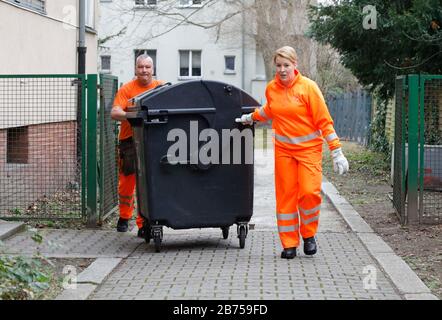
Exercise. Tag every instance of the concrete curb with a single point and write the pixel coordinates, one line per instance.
(409, 285)
(7, 229)
(90, 279)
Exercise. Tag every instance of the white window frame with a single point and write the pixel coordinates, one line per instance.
(190, 4)
(180, 77)
(230, 71)
(144, 4)
(90, 14)
(30, 4)
(101, 63)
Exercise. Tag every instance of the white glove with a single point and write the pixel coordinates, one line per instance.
(340, 163)
(245, 119)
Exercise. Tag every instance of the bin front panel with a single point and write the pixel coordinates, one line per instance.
(190, 195)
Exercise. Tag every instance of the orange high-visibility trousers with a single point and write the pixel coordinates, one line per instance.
(126, 190)
(298, 176)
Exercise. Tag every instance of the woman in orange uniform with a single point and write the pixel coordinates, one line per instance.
(300, 121)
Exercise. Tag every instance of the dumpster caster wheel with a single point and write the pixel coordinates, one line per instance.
(225, 231)
(242, 236)
(147, 234)
(157, 241)
(157, 235)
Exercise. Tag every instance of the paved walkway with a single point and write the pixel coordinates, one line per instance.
(352, 261)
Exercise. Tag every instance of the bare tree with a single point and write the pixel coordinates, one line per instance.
(332, 76)
(285, 23)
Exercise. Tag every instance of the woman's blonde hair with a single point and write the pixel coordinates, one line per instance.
(286, 52)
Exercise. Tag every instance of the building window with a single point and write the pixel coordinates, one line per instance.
(190, 3)
(106, 63)
(145, 3)
(90, 14)
(37, 5)
(17, 149)
(190, 63)
(150, 53)
(229, 64)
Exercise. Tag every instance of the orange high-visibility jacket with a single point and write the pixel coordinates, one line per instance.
(300, 115)
(123, 97)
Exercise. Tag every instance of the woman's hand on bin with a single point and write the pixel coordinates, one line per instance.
(245, 119)
(340, 163)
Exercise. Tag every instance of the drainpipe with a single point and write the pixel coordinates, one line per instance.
(243, 68)
(81, 37)
(81, 107)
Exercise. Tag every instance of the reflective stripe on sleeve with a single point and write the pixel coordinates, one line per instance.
(262, 113)
(331, 136)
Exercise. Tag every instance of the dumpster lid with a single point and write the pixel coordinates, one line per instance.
(195, 96)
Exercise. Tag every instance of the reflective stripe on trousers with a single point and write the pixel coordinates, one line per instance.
(126, 189)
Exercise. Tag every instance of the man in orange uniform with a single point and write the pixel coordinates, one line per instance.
(127, 159)
(301, 122)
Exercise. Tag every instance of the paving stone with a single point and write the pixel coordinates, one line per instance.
(272, 277)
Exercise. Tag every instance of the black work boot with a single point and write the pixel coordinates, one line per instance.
(310, 246)
(141, 233)
(122, 225)
(288, 253)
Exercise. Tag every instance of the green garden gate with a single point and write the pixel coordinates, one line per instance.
(57, 147)
(417, 158)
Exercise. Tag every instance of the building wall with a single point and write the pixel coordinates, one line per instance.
(185, 37)
(43, 43)
(51, 165)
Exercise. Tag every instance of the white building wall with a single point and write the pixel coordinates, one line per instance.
(186, 37)
(36, 43)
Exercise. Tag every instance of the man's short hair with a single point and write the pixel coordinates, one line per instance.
(144, 56)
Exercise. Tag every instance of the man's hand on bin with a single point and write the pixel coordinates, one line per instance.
(245, 119)
(340, 163)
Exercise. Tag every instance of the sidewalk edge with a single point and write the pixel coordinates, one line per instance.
(8, 229)
(409, 285)
(90, 279)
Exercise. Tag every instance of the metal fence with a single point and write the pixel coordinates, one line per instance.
(48, 147)
(108, 133)
(351, 113)
(417, 159)
(430, 149)
(399, 174)
(40, 142)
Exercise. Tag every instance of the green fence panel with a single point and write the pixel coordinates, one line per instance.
(41, 146)
(413, 121)
(91, 163)
(108, 133)
(399, 189)
(430, 147)
(417, 187)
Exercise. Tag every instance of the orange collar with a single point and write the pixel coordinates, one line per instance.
(297, 77)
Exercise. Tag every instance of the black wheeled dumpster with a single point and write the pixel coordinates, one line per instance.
(194, 162)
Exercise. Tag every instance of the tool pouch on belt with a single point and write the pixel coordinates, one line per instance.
(127, 156)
